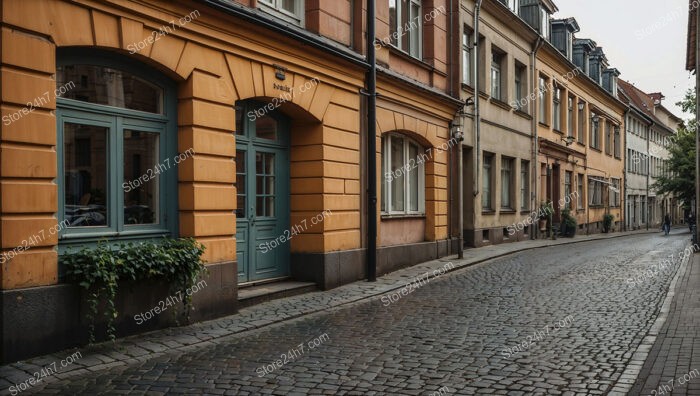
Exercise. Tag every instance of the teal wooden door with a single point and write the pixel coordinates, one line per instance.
(262, 182)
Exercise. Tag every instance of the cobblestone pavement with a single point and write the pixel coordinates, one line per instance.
(673, 364)
(464, 332)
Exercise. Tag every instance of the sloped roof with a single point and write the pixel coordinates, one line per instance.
(642, 101)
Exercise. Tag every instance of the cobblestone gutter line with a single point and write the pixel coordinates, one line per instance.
(141, 347)
(634, 367)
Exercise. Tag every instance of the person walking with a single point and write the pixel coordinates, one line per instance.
(667, 224)
(691, 221)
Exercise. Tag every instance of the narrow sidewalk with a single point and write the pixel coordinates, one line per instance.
(673, 363)
(145, 346)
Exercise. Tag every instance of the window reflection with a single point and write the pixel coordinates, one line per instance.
(106, 86)
(85, 194)
(141, 175)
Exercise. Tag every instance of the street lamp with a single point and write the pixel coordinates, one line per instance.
(581, 105)
(569, 140)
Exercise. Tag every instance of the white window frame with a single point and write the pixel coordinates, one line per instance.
(507, 185)
(518, 86)
(496, 86)
(556, 109)
(542, 94)
(568, 175)
(486, 188)
(413, 165)
(524, 185)
(274, 7)
(399, 29)
(570, 116)
(579, 188)
(514, 6)
(466, 57)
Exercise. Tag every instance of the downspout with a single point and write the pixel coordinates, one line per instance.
(458, 147)
(371, 146)
(648, 171)
(697, 118)
(534, 168)
(477, 116)
(623, 195)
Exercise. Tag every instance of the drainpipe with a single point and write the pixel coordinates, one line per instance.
(477, 116)
(458, 147)
(648, 169)
(623, 194)
(534, 168)
(371, 146)
(697, 118)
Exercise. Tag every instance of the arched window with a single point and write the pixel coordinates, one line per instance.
(403, 187)
(117, 158)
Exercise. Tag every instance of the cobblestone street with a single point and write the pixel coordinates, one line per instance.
(557, 320)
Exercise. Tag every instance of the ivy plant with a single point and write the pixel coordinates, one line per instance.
(98, 270)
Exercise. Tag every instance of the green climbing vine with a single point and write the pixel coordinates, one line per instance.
(98, 270)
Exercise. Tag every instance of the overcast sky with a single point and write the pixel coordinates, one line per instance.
(644, 39)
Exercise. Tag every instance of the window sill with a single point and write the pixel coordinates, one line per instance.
(525, 211)
(112, 237)
(488, 212)
(555, 130)
(501, 104)
(508, 211)
(582, 144)
(597, 149)
(540, 123)
(409, 58)
(396, 216)
(523, 114)
(468, 88)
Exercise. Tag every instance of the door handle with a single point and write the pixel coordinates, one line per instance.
(252, 215)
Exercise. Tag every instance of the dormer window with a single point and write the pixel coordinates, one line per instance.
(514, 5)
(545, 24)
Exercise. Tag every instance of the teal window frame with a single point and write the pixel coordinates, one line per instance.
(117, 120)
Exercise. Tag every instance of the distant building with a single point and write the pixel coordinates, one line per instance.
(650, 127)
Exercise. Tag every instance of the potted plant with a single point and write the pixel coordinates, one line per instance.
(543, 214)
(568, 224)
(607, 222)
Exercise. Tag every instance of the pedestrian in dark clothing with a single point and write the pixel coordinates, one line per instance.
(667, 224)
(691, 221)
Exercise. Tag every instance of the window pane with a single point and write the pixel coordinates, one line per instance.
(289, 5)
(399, 172)
(240, 184)
(415, 27)
(105, 86)
(393, 21)
(486, 184)
(85, 151)
(240, 124)
(466, 59)
(413, 178)
(404, 25)
(142, 168)
(505, 182)
(266, 128)
(265, 184)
